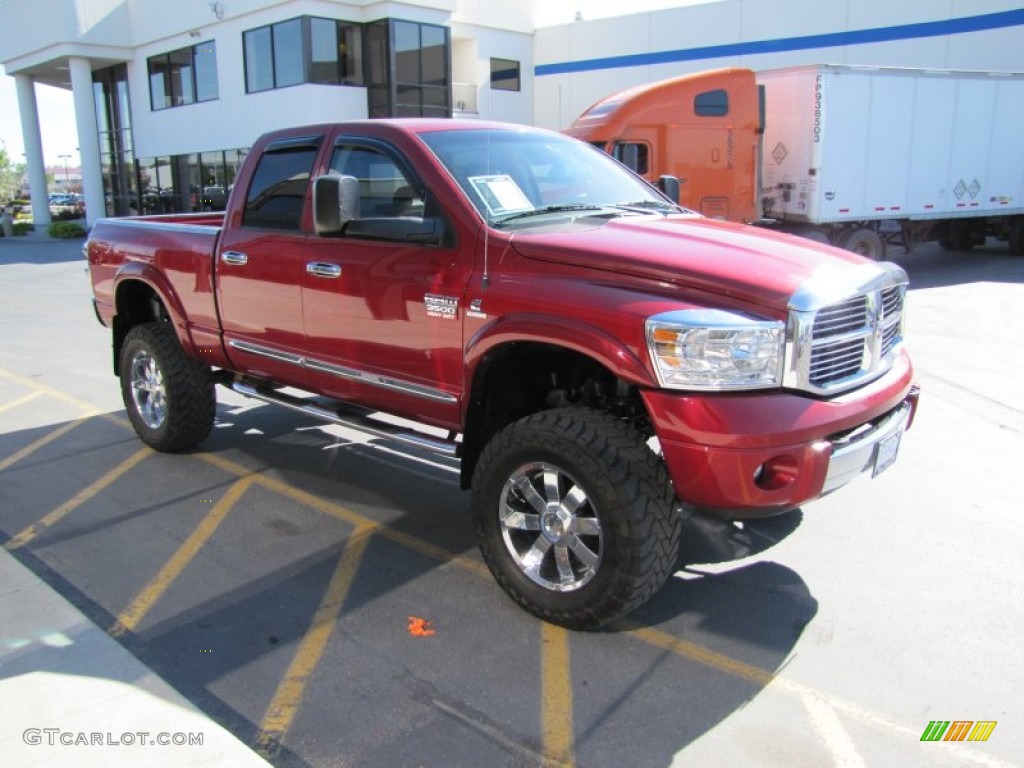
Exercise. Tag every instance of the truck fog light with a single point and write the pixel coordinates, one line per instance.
(776, 473)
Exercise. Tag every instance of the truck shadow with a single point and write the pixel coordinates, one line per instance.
(474, 684)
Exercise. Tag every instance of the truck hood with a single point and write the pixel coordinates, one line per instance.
(748, 264)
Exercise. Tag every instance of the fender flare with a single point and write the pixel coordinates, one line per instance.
(583, 338)
(155, 280)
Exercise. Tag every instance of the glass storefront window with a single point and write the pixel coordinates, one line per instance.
(113, 122)
(214, 188)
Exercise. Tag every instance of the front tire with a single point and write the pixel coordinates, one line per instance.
(169, 397)
(574, 516)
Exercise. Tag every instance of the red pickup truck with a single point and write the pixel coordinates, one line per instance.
(601, 361)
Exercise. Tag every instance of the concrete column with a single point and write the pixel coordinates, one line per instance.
(88, 140)
(33, 149)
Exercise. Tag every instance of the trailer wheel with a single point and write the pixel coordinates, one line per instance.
(864, 242)
(1016, 238)
(169, 397)
(575, 516)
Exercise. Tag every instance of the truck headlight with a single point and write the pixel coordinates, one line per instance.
(710, 349)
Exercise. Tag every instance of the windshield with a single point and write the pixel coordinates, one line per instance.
(515, 176)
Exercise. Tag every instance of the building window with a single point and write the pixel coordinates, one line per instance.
(422, 75)
(117, 154)
(505, 75)
(405, 65)
(259, 60)
(288, 53)
(184, 76)
(711, 103)
(303, 50)
(184, 183)
(205, 58)
(336, 52)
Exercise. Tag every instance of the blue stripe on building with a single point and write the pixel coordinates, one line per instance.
(831, 40)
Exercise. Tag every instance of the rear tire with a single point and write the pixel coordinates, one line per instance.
(169, 397)
(574, 516)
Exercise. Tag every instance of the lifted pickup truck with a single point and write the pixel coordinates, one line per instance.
(602, 361)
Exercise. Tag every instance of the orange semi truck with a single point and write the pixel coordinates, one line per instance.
(855, 156)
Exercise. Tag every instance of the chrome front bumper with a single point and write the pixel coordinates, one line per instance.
(871, 447)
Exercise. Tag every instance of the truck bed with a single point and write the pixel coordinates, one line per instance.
(175, 251)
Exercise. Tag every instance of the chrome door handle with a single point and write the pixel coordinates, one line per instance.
(323, 269)
(234, 257)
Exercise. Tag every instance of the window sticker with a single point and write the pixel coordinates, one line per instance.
(500, 194)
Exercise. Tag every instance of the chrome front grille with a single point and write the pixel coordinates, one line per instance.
(841, 318)
(843, 335)
(892, 317)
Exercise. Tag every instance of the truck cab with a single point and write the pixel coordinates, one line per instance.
(703, 128)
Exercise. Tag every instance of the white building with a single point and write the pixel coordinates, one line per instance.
(169, 97)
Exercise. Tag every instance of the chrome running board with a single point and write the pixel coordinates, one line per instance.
(352, 417)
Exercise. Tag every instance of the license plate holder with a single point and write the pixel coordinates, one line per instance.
(885, 452)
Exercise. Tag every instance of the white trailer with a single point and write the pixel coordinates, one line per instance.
(868, 155)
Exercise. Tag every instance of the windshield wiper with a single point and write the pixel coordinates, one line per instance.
(551, 209)
(646, 205)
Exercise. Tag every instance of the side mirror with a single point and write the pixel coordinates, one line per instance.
(669, 187)
(335, 203)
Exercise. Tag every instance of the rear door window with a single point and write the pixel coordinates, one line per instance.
(277, 193)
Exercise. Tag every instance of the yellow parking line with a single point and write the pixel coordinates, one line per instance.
(36, 386)
(343, 513)
(657, 638)
(29, 533)
(129, 619)
(31, 448)
(283, 707)
(21, 400)
(556, 697)
(697, 653)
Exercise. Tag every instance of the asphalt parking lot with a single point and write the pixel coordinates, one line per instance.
(320, 596)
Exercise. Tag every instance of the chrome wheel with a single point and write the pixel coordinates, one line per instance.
(550, 527)
(148, 391)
